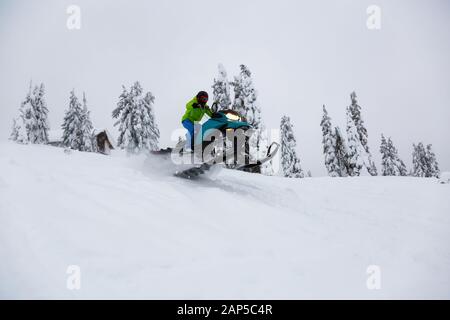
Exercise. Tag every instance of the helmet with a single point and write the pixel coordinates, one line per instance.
(202, 97)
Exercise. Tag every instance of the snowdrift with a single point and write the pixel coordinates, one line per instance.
(136, 231)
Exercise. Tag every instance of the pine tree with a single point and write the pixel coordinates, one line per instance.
(355, 149)
(72, 126)
(245, 102)
(221, 89)
(419, 160)
(31, 126)
(150, 131)
(387, 158)
(245, 97)
(290, 163)
(88, 142)
(78, 131)
(391, 164)
(238, 102)
(19, 133)
(15, 130)
(341, 152)
(329, 144)
(424, 161)
(23, 123)
(372, 167)
(40, 126)
(137, 127)
(355, 112)
(432, 164)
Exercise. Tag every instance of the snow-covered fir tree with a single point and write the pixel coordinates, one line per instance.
(329, 144)
(136, 120)
(72, 125)
(23, 123)
(391, 164)
(78, 131)
(15, 130)
(245, 102)
(238, 102)
(19, 132)
(355, 112)
(150, 131)
(31, 126)
(419, 160)
(290, 163)
(221, 89)
(372, 167)
(341, 151)
(355, 149)
(245, 97)
(88, 142)
(387, 159)
(40, 127)
(424, 161)
(432, 164)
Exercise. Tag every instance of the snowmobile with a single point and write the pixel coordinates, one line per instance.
(224, 138)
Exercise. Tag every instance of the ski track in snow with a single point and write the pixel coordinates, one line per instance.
(137, 231)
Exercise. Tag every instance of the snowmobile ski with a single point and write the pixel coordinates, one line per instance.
(269, 156)
(195, 172)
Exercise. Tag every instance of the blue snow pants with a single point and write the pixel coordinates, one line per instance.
(189, 125)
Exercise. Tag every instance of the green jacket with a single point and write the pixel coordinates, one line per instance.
(195, 113)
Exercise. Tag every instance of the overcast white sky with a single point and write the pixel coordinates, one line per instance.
(302, 54)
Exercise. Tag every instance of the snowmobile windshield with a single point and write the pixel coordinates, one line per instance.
(232, 115)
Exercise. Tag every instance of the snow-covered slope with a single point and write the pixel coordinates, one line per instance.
(138, 232)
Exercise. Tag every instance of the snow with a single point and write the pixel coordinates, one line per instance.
(136, 231)
(445, 177)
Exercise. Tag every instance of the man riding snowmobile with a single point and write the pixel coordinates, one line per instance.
(224, 138)
(195, 110)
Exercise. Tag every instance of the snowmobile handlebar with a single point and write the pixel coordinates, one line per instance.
(214, 107)
(269, 153)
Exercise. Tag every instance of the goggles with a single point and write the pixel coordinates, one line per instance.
(203, 99)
